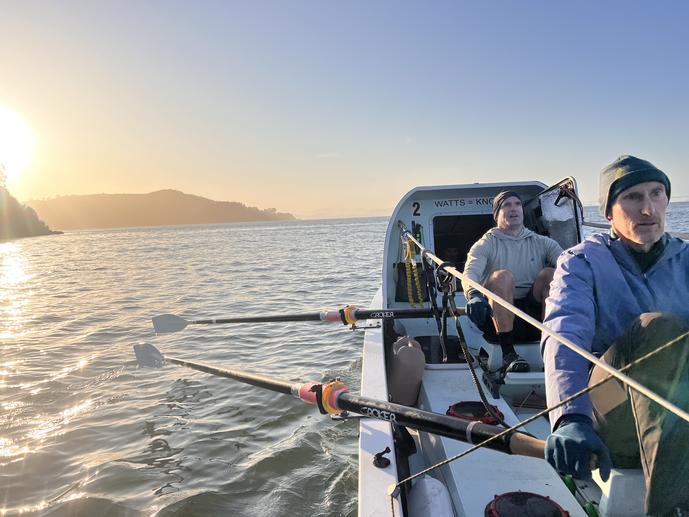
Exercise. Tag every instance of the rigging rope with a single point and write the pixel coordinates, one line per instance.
(568, 343)
(431, 289)
(448, 285)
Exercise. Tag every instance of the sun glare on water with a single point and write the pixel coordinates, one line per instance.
(16, 144)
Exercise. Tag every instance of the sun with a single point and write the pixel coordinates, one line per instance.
(16, 144)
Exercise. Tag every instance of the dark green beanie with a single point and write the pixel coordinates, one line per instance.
(623, 173)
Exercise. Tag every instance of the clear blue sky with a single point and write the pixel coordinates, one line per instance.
(338, 108)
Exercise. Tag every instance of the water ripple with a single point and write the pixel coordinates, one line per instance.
(84, 432)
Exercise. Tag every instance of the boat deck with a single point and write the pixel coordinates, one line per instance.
(484, 473)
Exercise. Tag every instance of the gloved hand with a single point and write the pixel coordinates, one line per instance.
(477, 309)
(570, 446)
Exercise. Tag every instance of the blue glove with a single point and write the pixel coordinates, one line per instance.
(477, 309)
(568, 449)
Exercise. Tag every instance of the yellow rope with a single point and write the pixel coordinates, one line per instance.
(408, 264)
(417, 278)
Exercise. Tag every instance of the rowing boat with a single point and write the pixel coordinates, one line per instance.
(442, 431)
(443, 222)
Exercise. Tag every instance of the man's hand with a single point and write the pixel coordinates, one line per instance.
(570, 446)
(477, 309)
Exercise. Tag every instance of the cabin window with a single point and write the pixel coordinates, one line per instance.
(454, 235)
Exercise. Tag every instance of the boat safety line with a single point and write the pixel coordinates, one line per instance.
(569, 344)
(394, 488)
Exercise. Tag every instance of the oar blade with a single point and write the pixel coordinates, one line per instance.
(148, 356)
(166, 323)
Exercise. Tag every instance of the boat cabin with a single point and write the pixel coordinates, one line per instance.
(448, 220)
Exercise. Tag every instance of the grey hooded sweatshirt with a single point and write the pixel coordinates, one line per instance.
(524, 256)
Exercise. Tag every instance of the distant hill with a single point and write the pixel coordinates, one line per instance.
(17, 220)
(161, 208)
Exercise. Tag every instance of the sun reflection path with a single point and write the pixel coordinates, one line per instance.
(51, 427)
(17, 372)
(36, 386)
(42, 428)
(13, 280)
(12, 265)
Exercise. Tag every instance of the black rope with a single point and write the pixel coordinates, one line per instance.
(431, 288)
(448, 285)
(470, 360)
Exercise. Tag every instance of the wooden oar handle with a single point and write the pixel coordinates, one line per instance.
(526, 445)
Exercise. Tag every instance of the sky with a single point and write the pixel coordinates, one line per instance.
(336, 109)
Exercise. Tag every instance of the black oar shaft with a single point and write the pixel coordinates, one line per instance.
(363, 314)
(357, 314)
(260, 381)
(262, 319)
(443, 425)
(165, 323)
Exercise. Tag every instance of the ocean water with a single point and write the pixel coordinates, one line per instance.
(83, 431)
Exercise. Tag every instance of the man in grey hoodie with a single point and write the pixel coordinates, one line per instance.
(623, 296)
(517, 265)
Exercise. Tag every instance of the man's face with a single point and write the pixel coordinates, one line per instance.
(638, 214)
(511, 214)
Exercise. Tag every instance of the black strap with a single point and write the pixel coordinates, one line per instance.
(318, 390)
(342, 317)
(446, 282)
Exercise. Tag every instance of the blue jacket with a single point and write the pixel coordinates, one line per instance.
(597, 292)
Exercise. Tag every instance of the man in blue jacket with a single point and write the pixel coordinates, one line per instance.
(621, 296)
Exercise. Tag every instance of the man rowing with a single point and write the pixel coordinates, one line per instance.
(516, 264)
(622, 296)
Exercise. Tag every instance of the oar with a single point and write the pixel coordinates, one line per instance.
(166, 323)
(335, 398)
